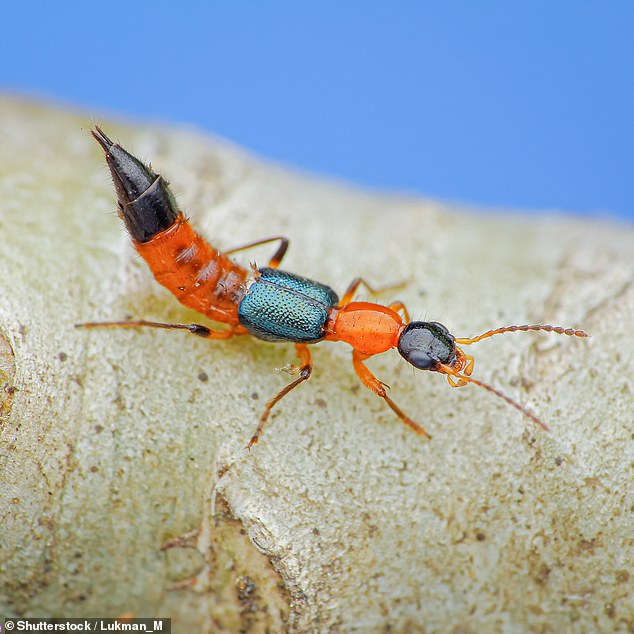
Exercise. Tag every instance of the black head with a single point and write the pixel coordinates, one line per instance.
(427, 344)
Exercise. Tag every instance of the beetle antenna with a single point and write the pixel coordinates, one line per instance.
(560, 330)
(446, 369)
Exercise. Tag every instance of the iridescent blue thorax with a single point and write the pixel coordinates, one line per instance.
(280, 306)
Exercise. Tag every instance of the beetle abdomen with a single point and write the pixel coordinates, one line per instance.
(280, 306)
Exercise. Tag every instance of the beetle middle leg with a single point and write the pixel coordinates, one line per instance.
(379, 388)
(353, 287)
(305, 370)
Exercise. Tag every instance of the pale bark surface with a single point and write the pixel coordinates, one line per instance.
(341, 518)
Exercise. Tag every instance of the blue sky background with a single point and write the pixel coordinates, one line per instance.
(525, 105)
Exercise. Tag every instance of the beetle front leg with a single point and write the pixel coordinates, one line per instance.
(372, 383)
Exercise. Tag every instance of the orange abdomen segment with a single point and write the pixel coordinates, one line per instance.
(369, 328)
(197, 274)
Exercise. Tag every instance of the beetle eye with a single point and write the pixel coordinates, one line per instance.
(420, 360)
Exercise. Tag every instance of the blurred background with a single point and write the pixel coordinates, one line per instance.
(513, 105)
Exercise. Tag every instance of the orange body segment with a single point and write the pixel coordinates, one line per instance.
(198, 275)
(368, 328)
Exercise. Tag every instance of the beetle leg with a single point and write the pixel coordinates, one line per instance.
(274, 262)
(372, 383)
(357, 281)
(400, 307)
(194, 329)
(305, 370)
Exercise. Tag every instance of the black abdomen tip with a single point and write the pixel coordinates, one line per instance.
(145, 201)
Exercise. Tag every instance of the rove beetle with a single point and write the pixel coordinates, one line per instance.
(275, 305)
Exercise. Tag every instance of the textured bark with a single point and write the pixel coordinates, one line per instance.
(115, 442)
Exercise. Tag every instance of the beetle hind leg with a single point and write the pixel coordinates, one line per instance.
(194, 329)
